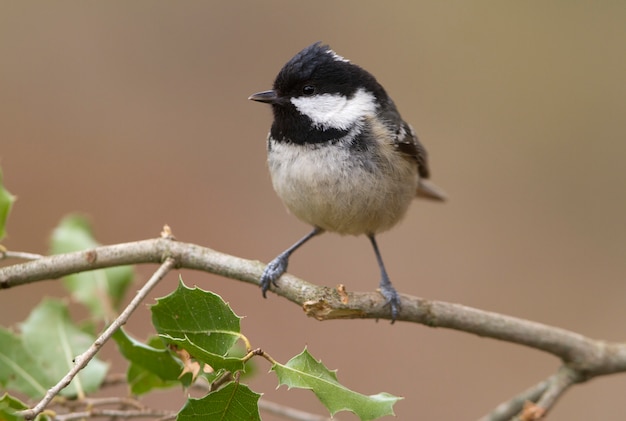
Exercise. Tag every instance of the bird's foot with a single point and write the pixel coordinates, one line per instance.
(273, 271)
(392, 299)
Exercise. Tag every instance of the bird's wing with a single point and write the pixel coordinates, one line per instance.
(406, 141)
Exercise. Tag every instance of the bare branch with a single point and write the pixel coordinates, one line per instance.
(114, 413)
(111, 400)
(509, 409)
(7, 254)
(558, 384)
(82, 360)
(544, 395)
(582, 353)
(583, 357)
(291, 413)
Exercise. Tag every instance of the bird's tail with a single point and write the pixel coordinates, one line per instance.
(429, 190)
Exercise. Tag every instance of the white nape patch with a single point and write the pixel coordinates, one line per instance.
(337, 57)
(335, 111)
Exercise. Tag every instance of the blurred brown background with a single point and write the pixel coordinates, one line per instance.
(135, 113)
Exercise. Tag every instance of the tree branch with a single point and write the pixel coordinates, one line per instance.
(7, 254)
(544, 394)
(583, 357)
(82, 360)
(290, 413)
(116, 413)
(557, 385)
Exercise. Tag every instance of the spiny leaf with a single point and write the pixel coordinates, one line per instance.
(197, 316)
(6, 202)
(142, 381)
(156, 361)
(232, 402)
(54, 341)
(303, 371)
(100, 290)
(216, 361)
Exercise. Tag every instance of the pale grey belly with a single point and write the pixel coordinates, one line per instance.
(328, 188)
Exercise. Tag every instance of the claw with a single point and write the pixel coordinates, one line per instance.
(392, 299)
(278, 266)
(272, 272)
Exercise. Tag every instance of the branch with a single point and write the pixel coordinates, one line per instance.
(557, 385)
(583, 356)
(6, 254)
(587, 355)
(116, 413)
(82, 360)
(516, 405)
(290, 413)
(88, 407)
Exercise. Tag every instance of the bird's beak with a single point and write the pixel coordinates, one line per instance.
(269, 97)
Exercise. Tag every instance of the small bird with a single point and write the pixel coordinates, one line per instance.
(341, 157)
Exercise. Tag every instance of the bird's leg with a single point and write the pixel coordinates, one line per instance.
(386, 289)
(278, 266)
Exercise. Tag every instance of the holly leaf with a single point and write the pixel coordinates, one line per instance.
(234, 401)
(216, 361)
(6, 202)
(54, 341)
(196, 320)
(142, 381)
(9, 405)
(100, 290)
(18, 367)
(304, 372)
(157, 361)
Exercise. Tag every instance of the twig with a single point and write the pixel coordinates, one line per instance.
(544, 395)
(291, 413)
(82, 360)
(115, 413)
(507, 410)
(559, 383)
(7, 254)
(111, 400)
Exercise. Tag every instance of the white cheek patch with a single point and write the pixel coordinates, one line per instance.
(334, 111)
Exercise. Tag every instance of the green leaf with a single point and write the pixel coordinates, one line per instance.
(303, 371)
(9, 405)
(6, 202)
(12, 402)
(18, 369)
(198, 317)
(216, 361)
(54, 341)
(159, 362)
(232, 402)
(100, 290)
(142, 381)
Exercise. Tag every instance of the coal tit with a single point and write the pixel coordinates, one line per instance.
(340, 156)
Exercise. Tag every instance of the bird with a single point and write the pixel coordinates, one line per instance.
(340, 156)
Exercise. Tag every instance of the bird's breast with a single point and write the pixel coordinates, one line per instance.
(340, 189)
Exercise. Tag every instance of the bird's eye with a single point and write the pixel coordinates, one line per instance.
(308, 90)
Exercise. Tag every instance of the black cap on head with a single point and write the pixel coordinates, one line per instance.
(320, 66)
